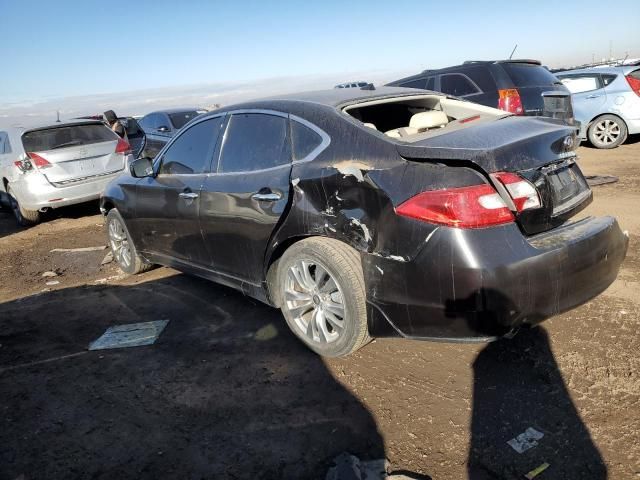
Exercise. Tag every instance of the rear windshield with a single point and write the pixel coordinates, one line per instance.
(529, 75)
(179, 120)
(67, 136)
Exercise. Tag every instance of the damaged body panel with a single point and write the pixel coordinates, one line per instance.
(461, 219)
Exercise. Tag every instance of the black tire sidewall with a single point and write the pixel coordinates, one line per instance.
(621, 139)
(349, 337)
(18, 210)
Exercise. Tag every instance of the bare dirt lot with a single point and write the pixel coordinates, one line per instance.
(227, 391)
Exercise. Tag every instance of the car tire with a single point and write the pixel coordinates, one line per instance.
(24, 217)
(607, 131)
(322, 296)
(122, 247)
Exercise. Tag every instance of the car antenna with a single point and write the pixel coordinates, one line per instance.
(513, 51)
(58, 116)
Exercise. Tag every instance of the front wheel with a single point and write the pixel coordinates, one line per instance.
(122, 247)
(607, 131)
(322, 292)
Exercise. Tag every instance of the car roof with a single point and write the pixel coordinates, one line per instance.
(624, 69)
(175, 110)
(336, 97)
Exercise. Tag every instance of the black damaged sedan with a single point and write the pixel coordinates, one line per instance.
(372, 213)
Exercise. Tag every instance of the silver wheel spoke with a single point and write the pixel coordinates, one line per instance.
(295, 296)
(314, 302)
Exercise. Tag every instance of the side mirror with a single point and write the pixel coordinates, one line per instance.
(164, 129)
(142, 167)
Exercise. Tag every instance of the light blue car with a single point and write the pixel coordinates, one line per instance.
(606, 101)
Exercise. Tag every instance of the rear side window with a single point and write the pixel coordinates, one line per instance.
(179, 120)
(607, 78)
(192, 151)
(67, 136)
(4, 143)
(254, 141)
(529, 75)
(419, 83)
(581, 83)
(304, 140)
(431, 83)
(457, 85)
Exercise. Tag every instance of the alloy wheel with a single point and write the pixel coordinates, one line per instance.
(119, 243)
(606, 132)
(314, 300)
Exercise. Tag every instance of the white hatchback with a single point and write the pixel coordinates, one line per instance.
(57, 164)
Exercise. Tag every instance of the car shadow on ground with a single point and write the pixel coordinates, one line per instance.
(226, 392)
(9, 226)
(517, 385)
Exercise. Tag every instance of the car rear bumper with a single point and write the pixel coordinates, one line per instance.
(468, 285)
(34, 192)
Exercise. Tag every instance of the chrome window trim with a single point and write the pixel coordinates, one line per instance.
(325, 142)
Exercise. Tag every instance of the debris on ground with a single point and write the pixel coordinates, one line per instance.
(129, 335)
(81, 249)
(52, 282)
(536, 471)
(349, 467)
(49, 274)
(594, 180)
(526, 440)
(107, 259)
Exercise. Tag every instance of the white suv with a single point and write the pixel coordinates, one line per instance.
(57, 164)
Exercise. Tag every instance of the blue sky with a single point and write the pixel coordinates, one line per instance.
(67, 48)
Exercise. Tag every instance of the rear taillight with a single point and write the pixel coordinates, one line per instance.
(23, 165)
(522, 192)
(634, 83)
(123, 147)
(465, 207)
(509, 101)
(38, 161)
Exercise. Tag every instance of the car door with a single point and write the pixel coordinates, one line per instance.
(167, 204)
(242, 202)
(152, 146)
(588, 95)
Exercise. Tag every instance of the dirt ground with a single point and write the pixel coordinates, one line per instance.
(227, 391)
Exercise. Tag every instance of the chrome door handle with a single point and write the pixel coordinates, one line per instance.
(267, 197)
(593, 96)
(188, 195)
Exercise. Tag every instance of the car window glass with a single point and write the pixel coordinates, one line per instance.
(529, 75)
(456, 84)
(608, 78)
(66, 136)
(192, 150)
(431, 83)
(581, 83)
(180, 119)
(7, 144)
(419, 83)
(161, 120)
(304, 140)
(254, 141)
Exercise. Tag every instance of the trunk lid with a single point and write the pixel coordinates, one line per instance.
(75, 152)
(541, 151)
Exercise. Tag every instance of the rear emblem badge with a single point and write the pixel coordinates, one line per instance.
(568, 142)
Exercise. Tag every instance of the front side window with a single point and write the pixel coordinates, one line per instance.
(457, 85)
(581, 83)
(192, 150)
(254, 141)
